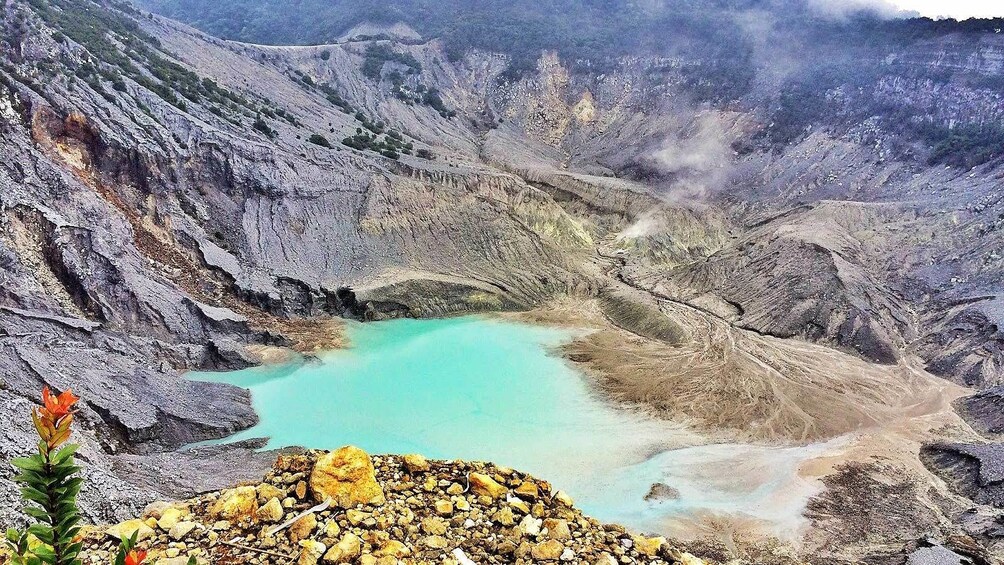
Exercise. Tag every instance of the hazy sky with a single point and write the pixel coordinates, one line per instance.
(958, 9)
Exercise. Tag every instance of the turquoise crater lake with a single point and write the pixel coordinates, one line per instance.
(486, 389)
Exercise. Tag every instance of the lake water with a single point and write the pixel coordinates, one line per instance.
(485, 389)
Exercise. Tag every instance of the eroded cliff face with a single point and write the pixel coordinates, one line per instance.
(846, 236)
(155, 221)
(142, 238)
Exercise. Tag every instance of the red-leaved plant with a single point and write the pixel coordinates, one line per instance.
(50, 483)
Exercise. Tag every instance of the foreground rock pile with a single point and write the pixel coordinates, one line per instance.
(345, 507)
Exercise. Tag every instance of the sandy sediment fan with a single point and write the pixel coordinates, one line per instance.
(346, 507)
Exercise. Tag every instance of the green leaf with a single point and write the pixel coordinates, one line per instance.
(65, 469)
(65, 507)
(34, 495)
(29, 463)
(64, 539)
(67, 521)
(34, 489)
(65, 453)
(42, 532)
(33, 478)
(70, 488)
(74, 549)
(36, 513)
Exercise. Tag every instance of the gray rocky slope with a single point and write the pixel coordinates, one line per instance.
(144, 234)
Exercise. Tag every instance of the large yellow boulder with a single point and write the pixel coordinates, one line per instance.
(416, 463)
(346, 550)
(649, 546)
(311, 552)
(483, 485)
(347, 477)
(126, 529)
(302, 528)
(234, 504)
(549, 550)
(170, 517)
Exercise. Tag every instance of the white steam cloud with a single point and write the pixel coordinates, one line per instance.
(696, 159)
(958, 9)
(840, 9)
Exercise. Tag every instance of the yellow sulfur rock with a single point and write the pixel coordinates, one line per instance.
(416, 463)
(331, 528)
(527, 490)
(272, 511)
(562, 497)
(483, 485)
(393, 548)
(518, 504)
(649, 546)
(302, 528)
(444, 507)
(312, 552)
(347, 477)
(268, 491)
(549, 550)
(241, 502)
(345, 551)
(126, 529)
(169, 517)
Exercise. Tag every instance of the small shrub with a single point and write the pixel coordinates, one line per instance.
(318, 139)
(260, 126)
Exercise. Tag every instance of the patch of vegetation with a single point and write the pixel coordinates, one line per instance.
(421, 94)
(318, 139)
(378, 54)
(335, 98)
(288, 117)
(431, 98)
(965, 146)
(262, 127)
(119, 49)
(391, 145)
(368, 135)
